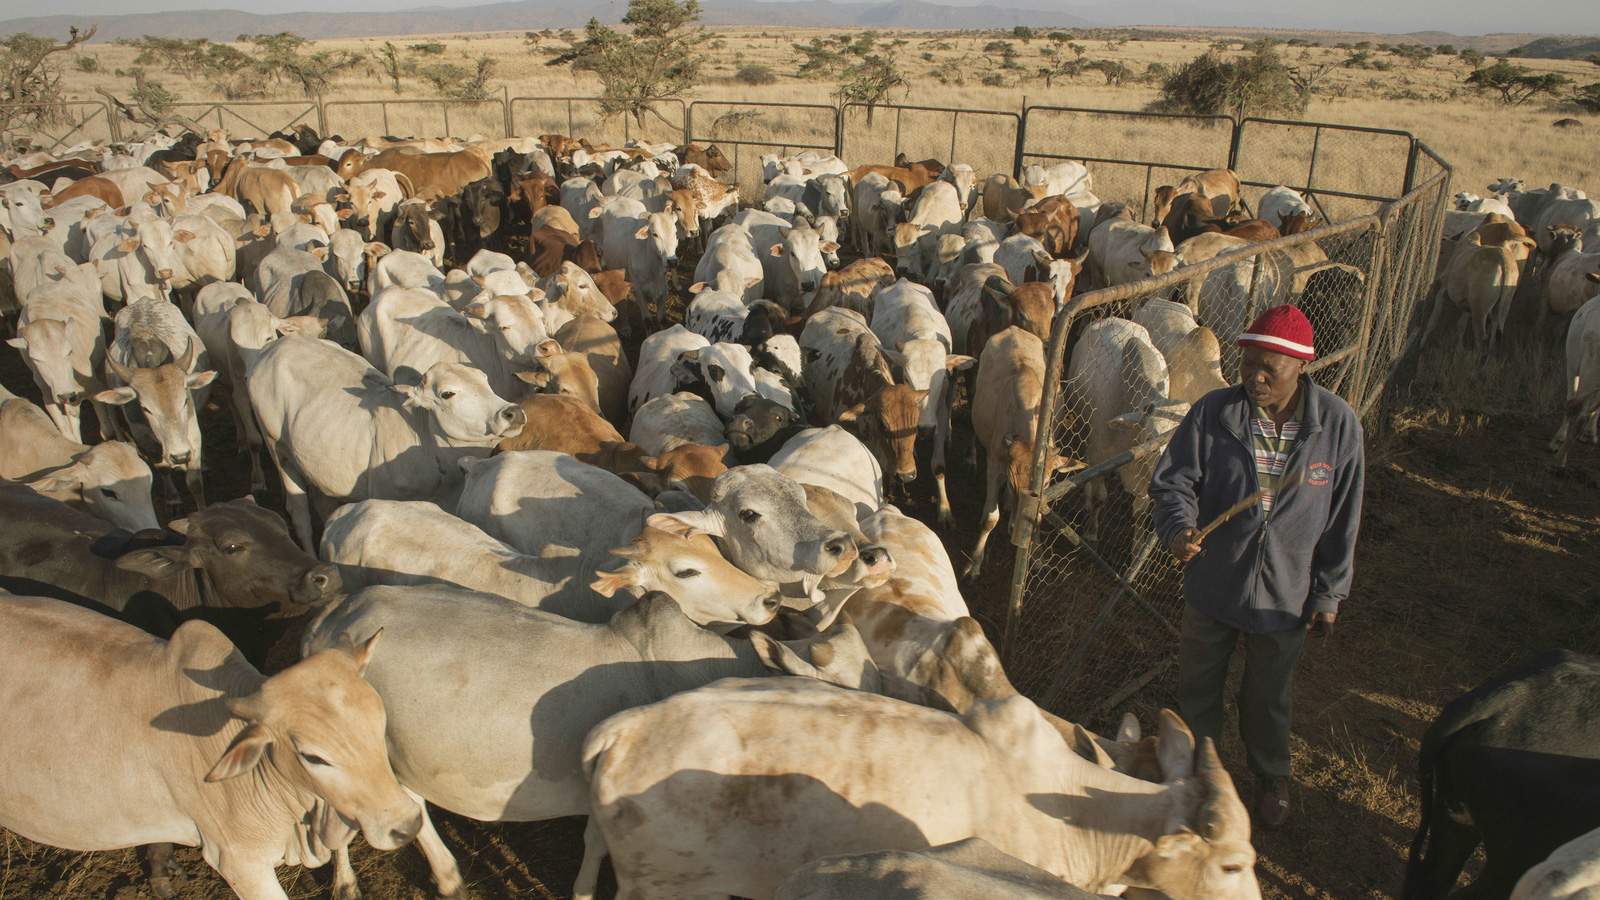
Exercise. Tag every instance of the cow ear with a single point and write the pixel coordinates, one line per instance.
(183, 237)
(1592, 276)
(779, 658)
(643, 233)
(345, 213)
(851, 415)
(128, 246)
(198, 380)
(115, 396)
(830, 247)
(1128, 421)
(156, 562)
(60, 480)
(22, 344)
(595, 213)
(243, 754)
(955, 362)
(684, 524)
(411, 395)
(777, 250)
(319, 252)
(379, 195)
(1174, 747)
(608, 583)
(363, 653)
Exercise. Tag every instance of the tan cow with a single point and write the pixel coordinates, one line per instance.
(852, 287)
(269, 191)
(432, 175)
(1005, 416)
(185, 742)
(600, 346)
(1482, 281)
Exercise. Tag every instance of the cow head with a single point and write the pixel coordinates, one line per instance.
(691, 570)
(925, 366)
(1208, 854)
(164, 395)
(887, 423)
(761, 515)
(516, 320)
(758, 420)
(565, 373)
(324, 728)
(113, 482)
(248, 554)
(461, 407)
(802, 248)
(49, 346)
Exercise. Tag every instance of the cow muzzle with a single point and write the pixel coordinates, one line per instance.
(906, 477)
(808, 286)
(671, 261)
(321, 583)
(180, 460)
(512, 420)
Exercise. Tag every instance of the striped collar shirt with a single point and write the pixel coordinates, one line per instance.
(1272, 445)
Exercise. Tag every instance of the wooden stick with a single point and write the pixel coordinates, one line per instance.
(1289, 481)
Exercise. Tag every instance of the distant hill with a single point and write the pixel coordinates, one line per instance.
(1561, 48)
(522, 15)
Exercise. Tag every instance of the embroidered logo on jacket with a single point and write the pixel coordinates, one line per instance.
(1319, 474)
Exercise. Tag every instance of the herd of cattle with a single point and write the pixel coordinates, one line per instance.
(554, 576)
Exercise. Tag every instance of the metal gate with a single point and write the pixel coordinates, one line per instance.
(985, 139)
(55, 126)
(755, 129)
(1094, 601)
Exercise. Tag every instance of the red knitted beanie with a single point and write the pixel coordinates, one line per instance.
(1281, 329)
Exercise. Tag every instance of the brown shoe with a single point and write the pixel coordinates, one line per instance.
(1272, 803)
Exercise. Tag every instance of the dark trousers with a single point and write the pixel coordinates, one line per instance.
(1265, 697)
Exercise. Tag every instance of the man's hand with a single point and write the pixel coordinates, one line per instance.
(1321, 625)
(1186, 546)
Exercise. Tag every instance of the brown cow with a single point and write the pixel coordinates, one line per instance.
(559, 146)
(1256, 230)
(534, 191)
(1053, 221)
(710, 159)
(597, 341)
(93, 186)
(934, 167)
(614, 284)
(912, 177)
(431, 174)
(1298, 222)
(548, 248)
(268, 190)
(852, 287)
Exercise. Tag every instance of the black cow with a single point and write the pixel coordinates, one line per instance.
(760, 427)
(483, 207)
(1515, 765)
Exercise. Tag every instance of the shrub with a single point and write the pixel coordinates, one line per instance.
(430, 48)
(994, 80)
(87, 64)
(756, 75)
(1212, 84)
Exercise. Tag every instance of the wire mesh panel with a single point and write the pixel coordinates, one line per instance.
(747, 131)
(983, 139)
(1347, 171)
(251, 120)
(355, 119)
(1130, 154)
(1096, 599)
(55, 126)
(583, 117)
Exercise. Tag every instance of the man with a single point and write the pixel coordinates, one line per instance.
(1277, 570)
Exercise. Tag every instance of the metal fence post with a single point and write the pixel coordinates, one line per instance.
(1233, 143)
(1022, 144)
(505, 110)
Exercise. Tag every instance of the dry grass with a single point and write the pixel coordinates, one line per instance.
(1484, 140)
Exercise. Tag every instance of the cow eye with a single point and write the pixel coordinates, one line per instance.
(446, 395)
(109, 494)
(314, 760)
(686, 573)
(231, 548)
(748, 515)
(715, 372)
(1232, 869)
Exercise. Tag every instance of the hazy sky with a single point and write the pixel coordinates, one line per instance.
(1394, 16)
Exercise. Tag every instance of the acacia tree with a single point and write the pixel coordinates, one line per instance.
(658, 60)
(1516, 84)
(31, 85)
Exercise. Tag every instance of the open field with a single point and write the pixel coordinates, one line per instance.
(1474, 553)
(1483, 139)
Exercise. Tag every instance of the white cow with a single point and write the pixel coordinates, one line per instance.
(916, 337)
(873, 219)
(1118, 373)
(730, 265)
(1066, 179)
(1572, 872)
(1583, 379)
(1121, 251)
(402, 268)
(791, 257)
(658, 355)
(509, 749)
(405, 331)
(684, 790)
(334, 423)
(107, 480)
(184, 742)
(1280, 203)
(833, 458)
(672, 420)
(135, 260)
(1191, 350)
(645, 245)
(938, 212)
(59, 334)
(954, 871)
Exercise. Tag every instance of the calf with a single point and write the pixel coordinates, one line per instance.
(59, 334)
(1482, 281)
(1005, 416)
(851, 381)
(107, 480)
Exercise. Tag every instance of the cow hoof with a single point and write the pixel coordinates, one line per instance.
(460, 893)
(946, 520)
(166, 878)
(969, 576)
(351, 891)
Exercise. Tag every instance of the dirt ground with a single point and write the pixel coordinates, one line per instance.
(1474, 554)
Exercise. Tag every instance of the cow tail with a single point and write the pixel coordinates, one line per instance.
(1427, 763)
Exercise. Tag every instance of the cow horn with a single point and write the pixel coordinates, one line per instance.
(184, 361)
(629, 551)
(1222, 815)
(124, 373)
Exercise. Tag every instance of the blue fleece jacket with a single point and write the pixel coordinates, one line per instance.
(1258, 573)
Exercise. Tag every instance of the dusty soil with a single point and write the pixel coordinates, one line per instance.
(1474, 555)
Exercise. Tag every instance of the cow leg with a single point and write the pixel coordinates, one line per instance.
(1450, 845)
(941, 436)
(594, 851)
(251, 879)
(991, 518)
(446, 873)
(63, 419)
(345, 886)
(110, 427)
(248, 436)
(1436, 318)
(193, 479)
(294, 500)
(166, 876)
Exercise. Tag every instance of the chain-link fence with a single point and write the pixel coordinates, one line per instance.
(984, 139)
(747, 131)
(55, 126)
(1344, 171)
(1095, 601)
